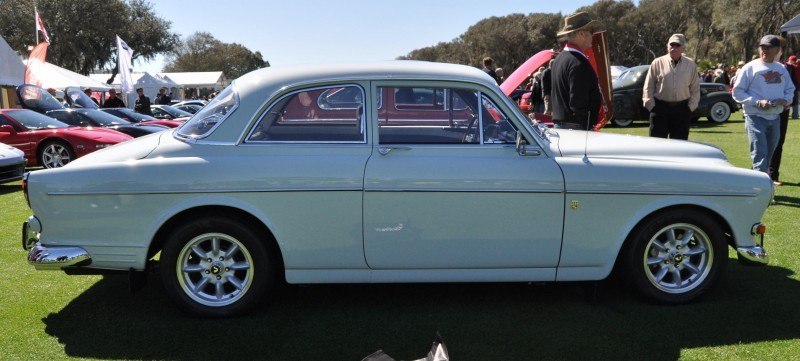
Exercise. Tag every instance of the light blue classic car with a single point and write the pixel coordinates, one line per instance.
(12, 162)
(391, 172)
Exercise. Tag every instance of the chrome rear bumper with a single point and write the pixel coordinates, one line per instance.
(753, 256)
(56, 258)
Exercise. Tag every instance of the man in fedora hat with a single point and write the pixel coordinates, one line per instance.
(574, 91)
(671, 91)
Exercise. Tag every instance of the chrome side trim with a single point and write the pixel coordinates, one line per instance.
(753, 256)
(464, 190)
(657, 193)
(55, 258)
(242, 190)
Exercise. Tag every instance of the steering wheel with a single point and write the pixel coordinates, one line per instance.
(472, 120)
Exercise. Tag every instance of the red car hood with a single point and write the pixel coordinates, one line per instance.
(98, 134)
(598, 57)
(167, 123)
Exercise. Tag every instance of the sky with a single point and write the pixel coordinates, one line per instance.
(337, 31)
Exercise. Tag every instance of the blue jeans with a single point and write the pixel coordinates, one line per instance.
(764, 135)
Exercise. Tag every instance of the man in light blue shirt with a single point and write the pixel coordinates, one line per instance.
(765, 89)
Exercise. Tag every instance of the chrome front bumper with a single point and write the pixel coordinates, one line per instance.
(57, 258)
(753, 256)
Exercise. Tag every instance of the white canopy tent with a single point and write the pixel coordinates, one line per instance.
(54, 76)
(792, 26)
(150, 85)
(202, 79)
(12, 69)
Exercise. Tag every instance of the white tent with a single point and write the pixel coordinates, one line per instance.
(203, 79)
(150, 85)
(792, 26)
(54, 76)
(12, 69)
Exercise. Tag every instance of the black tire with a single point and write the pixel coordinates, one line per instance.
(242, 289)
(55, 154)
(643, 262)
(622, 123)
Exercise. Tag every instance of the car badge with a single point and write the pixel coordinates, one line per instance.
(574, 204)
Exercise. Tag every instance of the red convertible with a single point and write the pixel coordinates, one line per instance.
(50, 143)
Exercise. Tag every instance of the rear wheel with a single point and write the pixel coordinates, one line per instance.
(55, 154)
(217, 267)
(719, 112)
(676, 256)
(622, 122)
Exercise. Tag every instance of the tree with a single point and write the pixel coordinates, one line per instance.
(202, 52)
(82, 33)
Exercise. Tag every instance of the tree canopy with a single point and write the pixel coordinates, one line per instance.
(83, 33)
(717, 31)
(202, 52)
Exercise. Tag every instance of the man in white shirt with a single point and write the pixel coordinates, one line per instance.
(764, 88)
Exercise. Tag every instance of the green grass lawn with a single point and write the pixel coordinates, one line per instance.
(753, 313)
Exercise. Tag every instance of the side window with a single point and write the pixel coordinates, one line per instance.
(496, 127)
(329, 114)
(428, 116)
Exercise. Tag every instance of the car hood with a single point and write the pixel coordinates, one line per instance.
(10, 155)
(95, 133)
(135, 148)
(576, 143)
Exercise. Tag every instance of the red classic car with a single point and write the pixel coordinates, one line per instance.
(50, 143)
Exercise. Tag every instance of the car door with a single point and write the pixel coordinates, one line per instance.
(20, 137)
(457, 195)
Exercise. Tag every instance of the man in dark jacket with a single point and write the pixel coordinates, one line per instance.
(142, 105)
(487, 68)
(575, 93)
(113, 101)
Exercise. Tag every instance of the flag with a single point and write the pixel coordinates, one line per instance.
(124, 59)
(40, 27)
(35, 63)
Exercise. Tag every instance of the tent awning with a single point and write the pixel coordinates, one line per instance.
(12, 70)
(792, 26)
(54, 76)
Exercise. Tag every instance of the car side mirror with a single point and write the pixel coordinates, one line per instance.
(7, 129)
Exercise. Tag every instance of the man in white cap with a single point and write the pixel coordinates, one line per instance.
(764, 88)
(574, 92)
(671, 91)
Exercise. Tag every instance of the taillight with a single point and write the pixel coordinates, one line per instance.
(759, 228)
(25, 187)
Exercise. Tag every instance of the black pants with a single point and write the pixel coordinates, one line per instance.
(775, 162)
(670, 120)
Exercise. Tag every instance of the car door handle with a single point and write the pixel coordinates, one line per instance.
(386, 150)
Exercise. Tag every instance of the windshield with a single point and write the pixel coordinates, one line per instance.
(631, 76)
(212, 114)
(134, 115)
(77, 99)
(37, 99)
(104, 118)
(35, 121)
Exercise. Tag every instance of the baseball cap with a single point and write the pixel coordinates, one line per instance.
(769, 40)
(677, 39)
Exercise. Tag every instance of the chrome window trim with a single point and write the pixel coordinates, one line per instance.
(194, 139)
(363, 129)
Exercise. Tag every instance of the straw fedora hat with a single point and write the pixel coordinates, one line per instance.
(578, 21)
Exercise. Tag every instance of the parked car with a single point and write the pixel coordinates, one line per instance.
(392, 172)
(189, 108)
(169, 112)
(716, 102)
(50, 143)
(139, 118)
(198, 102)
(96, 118)
(12, 161)
(84, 112)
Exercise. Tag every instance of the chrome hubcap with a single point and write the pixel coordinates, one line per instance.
(678, 258)
(215, 269)
(54, 156)
(719, 112)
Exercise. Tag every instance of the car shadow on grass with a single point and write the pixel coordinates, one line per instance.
(9, 188)
(478, 321)
(787, 201)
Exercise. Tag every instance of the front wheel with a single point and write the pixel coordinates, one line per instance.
(676, 256)
(719, 112)
(216, 267)
(55, 154)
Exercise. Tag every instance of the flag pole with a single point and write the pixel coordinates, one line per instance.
(36, 22)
